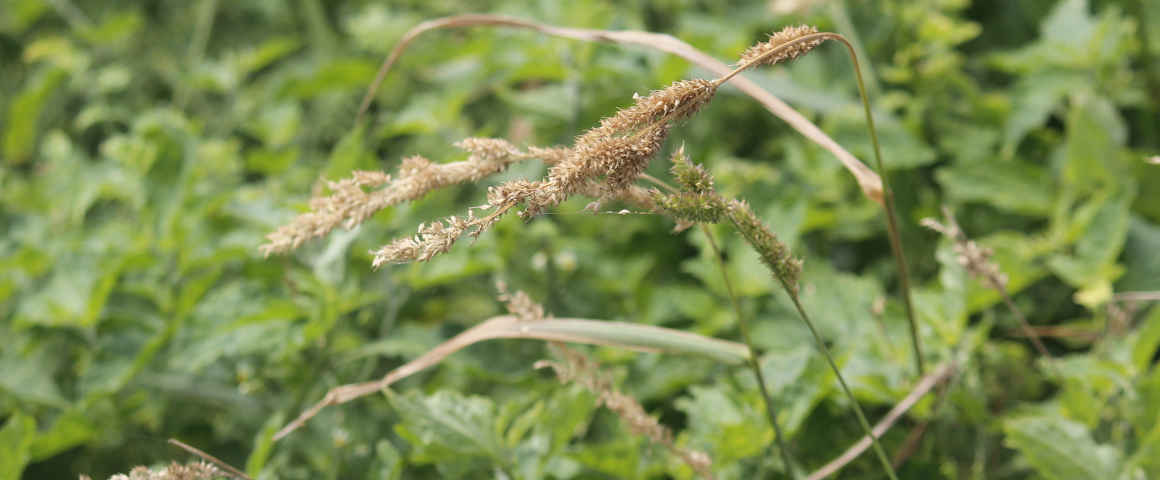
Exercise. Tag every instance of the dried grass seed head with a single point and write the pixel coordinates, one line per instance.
(761, 53)
(678, 101)
(432, 239)
(620, 159)
(976, 258)
(352, 201)
(520, 304)
(175, 471)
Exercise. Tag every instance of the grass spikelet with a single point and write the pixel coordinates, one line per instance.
(676, 102)
(768, 53)
(432, 239)
(978, 262)
(692, 177)
(350, 203)
(620, 159)
(175, 471)
(705, 207)
(774, 253)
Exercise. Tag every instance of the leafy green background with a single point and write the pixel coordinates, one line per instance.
(147, 147)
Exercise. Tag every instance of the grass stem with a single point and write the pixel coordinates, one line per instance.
(878, 450)
(743, 325)
(891, 216)
(888, 194)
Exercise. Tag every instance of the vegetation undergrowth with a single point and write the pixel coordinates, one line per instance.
(146, 152)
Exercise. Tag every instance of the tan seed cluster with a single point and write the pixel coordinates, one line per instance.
(431, 240)
(520, 304)
(604, 162)
(678, 101)
(763, 53)
(175, 471)
(972, 256)
(351, 203)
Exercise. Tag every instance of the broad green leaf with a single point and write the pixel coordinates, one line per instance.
(263, 445)
(21, 14)
(27, 378)
(16, 438)
(389, 460)
(71, 429)
(1095, 133)
(270, 51)
(1060, 449)
(1140, 258)
(448, 428)
(724, 426)
(1089, 381)
(1015, 187)
(1148, 342)
(1091, 267)
(1035, 99)
(20, 125)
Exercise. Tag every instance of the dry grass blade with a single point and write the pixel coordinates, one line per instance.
(227, 468)
(870, 182)
(644, 338)
(920, 390)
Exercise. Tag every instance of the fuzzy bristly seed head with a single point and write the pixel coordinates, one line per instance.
(693, 177)
(620, 158)
(773, 252)
(703, 207)
(788, 34)
(676, 102)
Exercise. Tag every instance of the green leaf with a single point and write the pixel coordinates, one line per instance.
(1140, 255)
(15, 445)
(1060, 449)
(1016, 187)
(26, 378)
(20, 14)
(21, 132)
(1092, 265)
(448, 427)
(389, 460)
(263, 445)
(1095, 133)
(70, 429)
(1036, 97)
(723, 425)
(1149, 340)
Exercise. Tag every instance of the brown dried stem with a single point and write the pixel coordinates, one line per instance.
(920, 390)
(645, 338)
(977, 261)
(868, 180)
(229, 469)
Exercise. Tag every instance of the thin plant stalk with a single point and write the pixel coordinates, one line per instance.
(743, 325)
(891, 216)
(878, 450)
(887, 192)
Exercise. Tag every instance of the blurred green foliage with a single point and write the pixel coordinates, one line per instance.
(147, 147)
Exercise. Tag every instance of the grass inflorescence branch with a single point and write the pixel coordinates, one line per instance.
(603, 162)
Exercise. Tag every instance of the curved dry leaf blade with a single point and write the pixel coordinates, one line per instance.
(870, 182)
(644, 338)
(920, 390)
